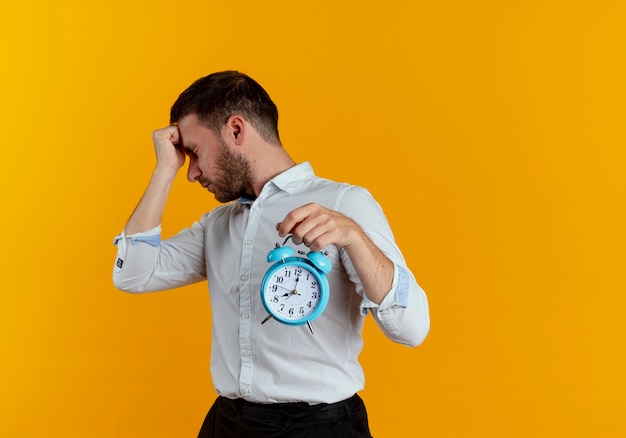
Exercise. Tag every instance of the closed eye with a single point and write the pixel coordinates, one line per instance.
(190, 151)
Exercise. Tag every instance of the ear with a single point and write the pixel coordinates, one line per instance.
(235, 129)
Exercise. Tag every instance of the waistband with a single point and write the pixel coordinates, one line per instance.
(293, 411)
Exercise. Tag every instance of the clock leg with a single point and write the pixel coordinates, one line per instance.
(310, 324)
(267, 318)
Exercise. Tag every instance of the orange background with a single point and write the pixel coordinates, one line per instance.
(491, 132)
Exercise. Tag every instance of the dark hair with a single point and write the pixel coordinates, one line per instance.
(216, 97)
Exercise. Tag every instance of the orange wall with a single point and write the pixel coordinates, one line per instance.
(491, 132)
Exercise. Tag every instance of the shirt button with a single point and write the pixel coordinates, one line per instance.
(248, 242)
(245, 315)
(245, 277)
(246, 354)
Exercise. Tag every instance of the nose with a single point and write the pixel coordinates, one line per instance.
(193, 173)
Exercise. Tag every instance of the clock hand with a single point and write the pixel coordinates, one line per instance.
(293, 292)
(282, 287)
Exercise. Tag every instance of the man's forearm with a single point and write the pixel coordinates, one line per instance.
(374, 269)
(149, 211)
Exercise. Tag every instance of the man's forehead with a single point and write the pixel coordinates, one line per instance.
(189, 121)
(192, 131)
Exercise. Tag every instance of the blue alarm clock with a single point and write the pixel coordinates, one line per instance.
(295, 290)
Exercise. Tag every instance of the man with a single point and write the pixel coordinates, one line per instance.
(272, 379)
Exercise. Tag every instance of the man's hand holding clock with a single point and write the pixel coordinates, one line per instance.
(318, 227)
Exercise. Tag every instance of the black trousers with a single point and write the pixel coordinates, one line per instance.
(241, 419)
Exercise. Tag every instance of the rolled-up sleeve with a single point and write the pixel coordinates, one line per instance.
(403, 314)
(145, 263)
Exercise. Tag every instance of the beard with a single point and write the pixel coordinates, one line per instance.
(234, 175)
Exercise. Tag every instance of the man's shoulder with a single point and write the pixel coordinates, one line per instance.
(343, 187)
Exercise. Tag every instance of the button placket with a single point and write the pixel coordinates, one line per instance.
(245, 301)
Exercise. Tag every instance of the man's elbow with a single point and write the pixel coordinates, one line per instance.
(129, 285)
(416, 336)
(410, 335)
(409, 332)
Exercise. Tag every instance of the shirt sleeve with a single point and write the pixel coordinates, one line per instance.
(145, 263)
(403, 314)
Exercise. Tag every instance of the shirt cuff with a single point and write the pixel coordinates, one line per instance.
(152, 237)
(398, 296)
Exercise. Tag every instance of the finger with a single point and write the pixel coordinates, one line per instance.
(314, 239)
(174, 134)
(169, 134)
(311, 231)
(293, 219)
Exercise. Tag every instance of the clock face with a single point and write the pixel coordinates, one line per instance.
(294, 292)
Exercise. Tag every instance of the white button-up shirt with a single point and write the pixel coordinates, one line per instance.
(228, 247)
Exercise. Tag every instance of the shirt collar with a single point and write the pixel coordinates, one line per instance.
(286, 181)
(291, 178)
